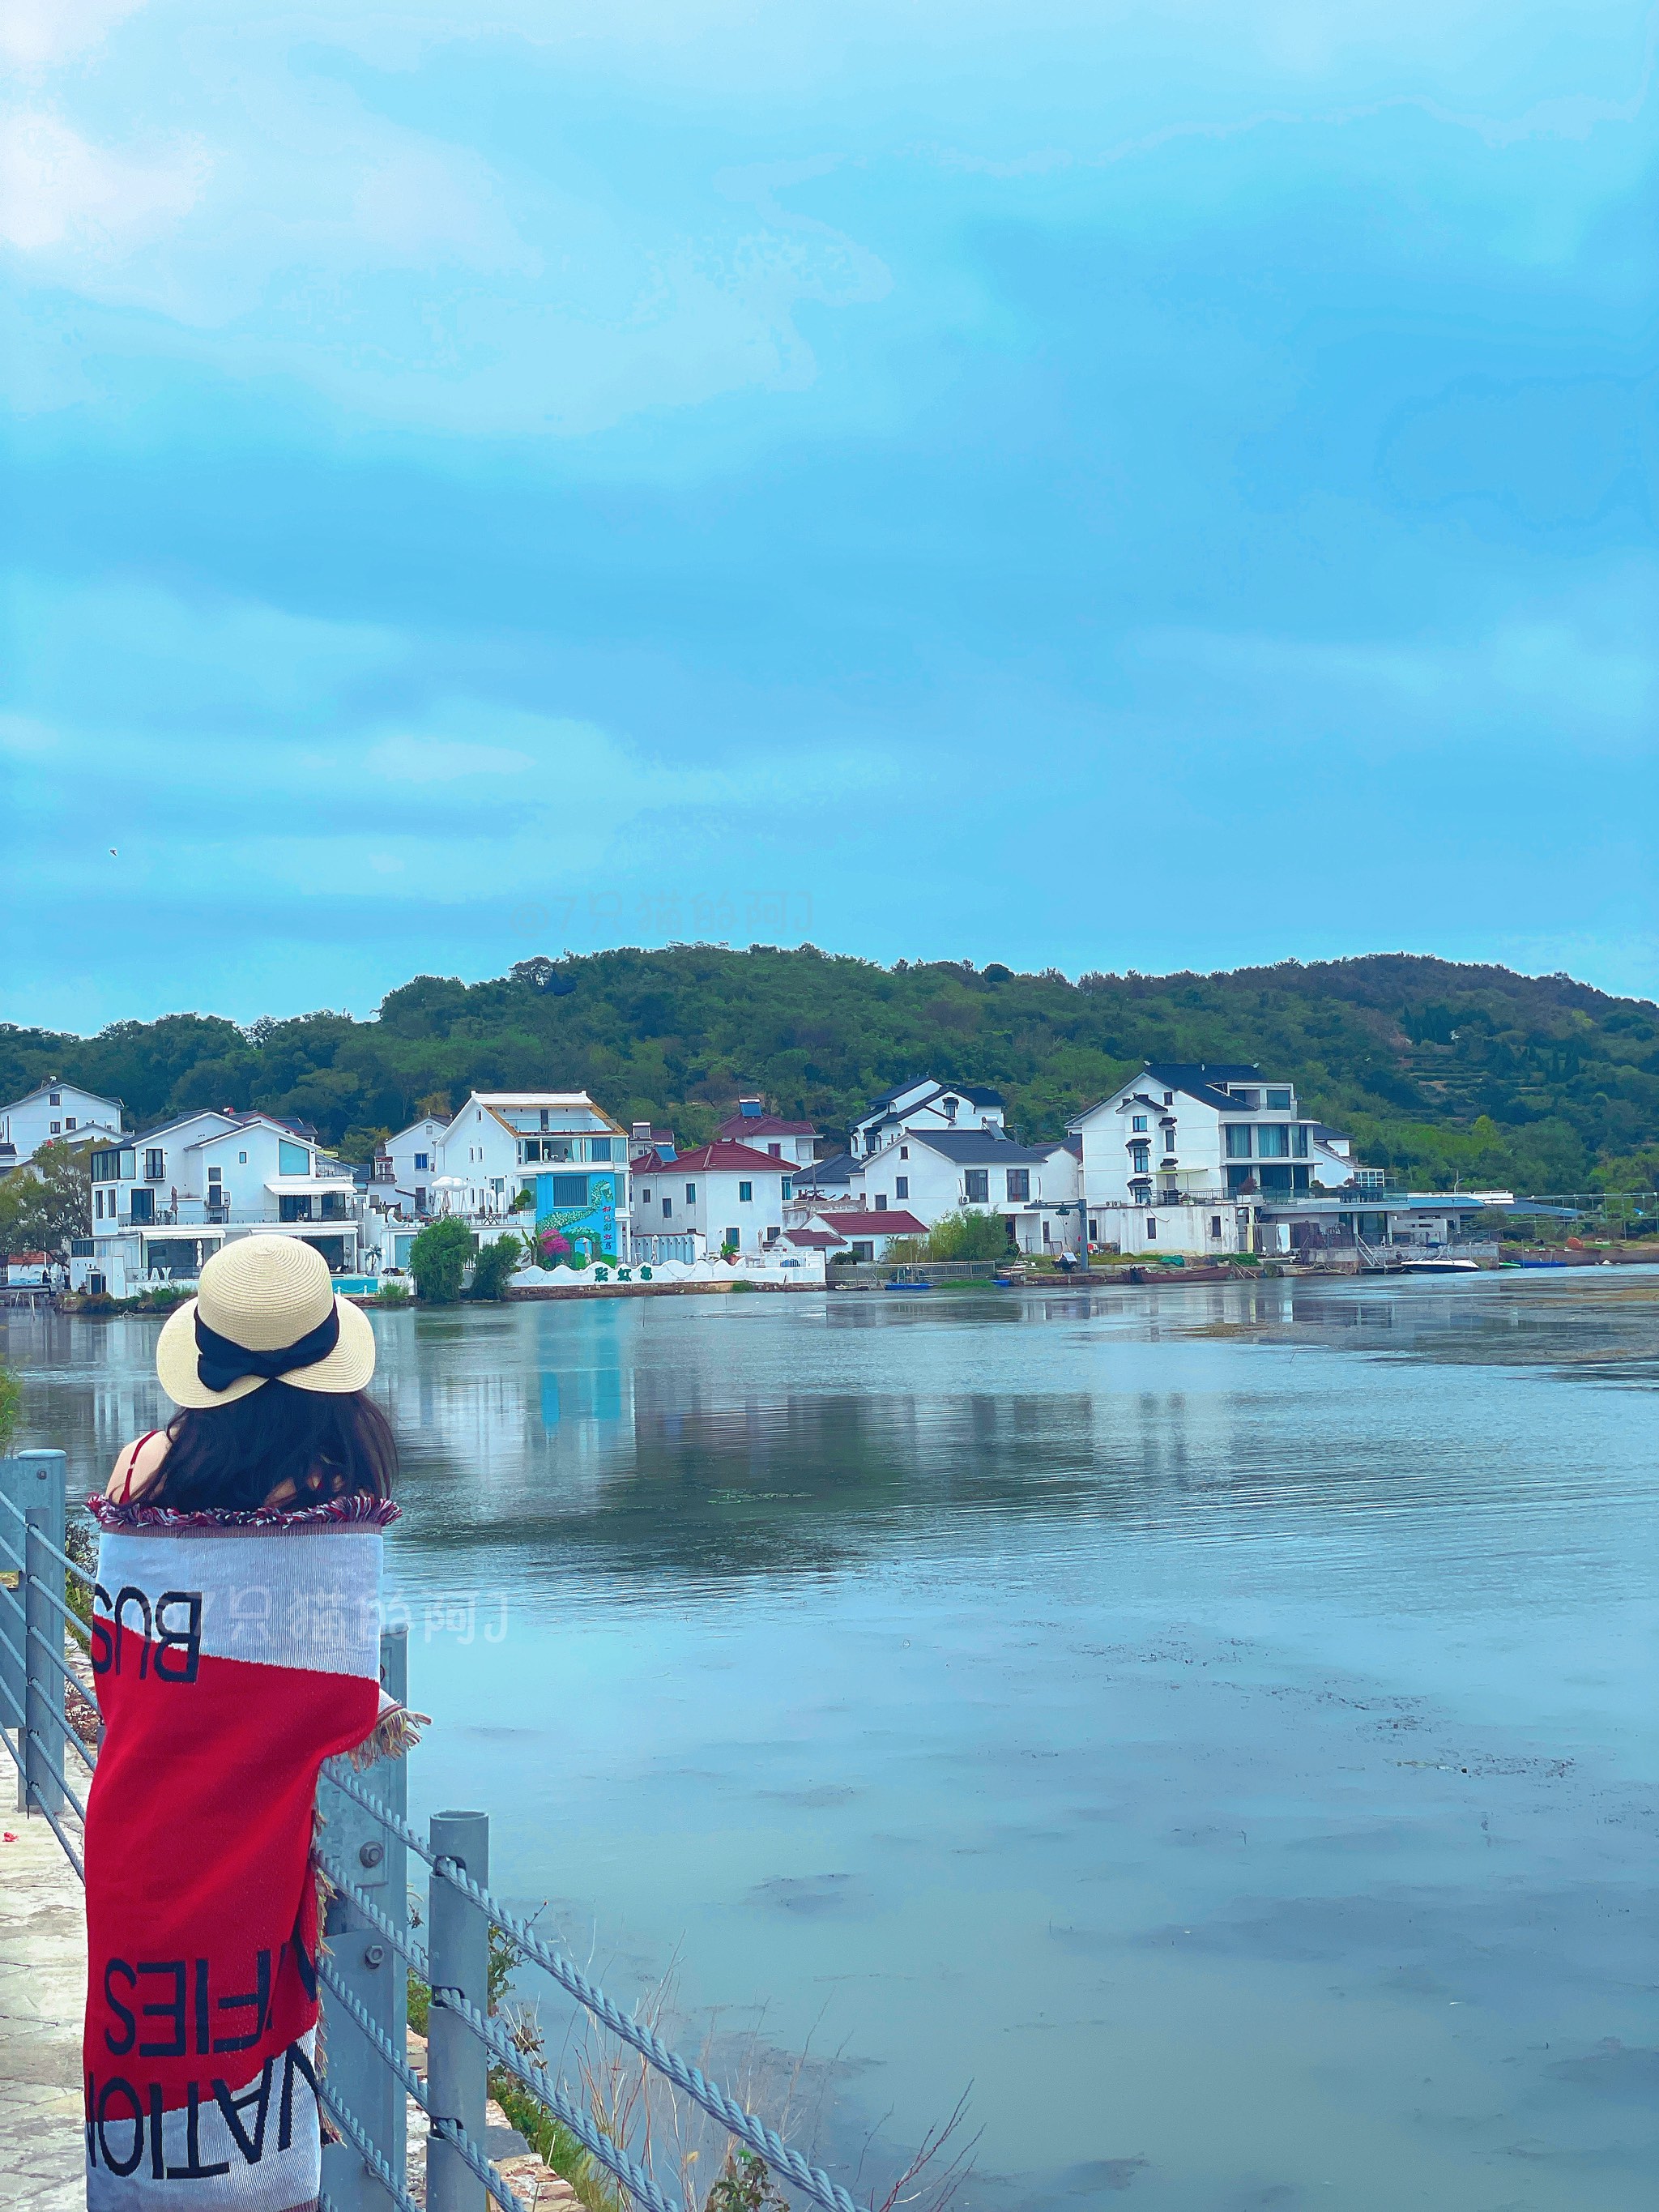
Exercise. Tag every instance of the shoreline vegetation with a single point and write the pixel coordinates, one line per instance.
(1440, 1071)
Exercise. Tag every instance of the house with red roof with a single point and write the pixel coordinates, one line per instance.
(724, 1195)
(794, 1141)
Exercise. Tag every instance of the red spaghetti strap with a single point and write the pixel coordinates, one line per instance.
(132, 1461)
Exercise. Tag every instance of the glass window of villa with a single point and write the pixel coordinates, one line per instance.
(292, 1159)
(786, 1190)
(241, 1161)
(599, 1149)
(1239, 1140)
(690, 1193)
(977, 1182)
(1299, 1141)
(1152, 1229)
(1019, 1183)
(667, 1208)
(901, 1186)
(420, 1162)
(881, 1201)
(645, 1198)
(1137, 1121)
(745, 1193)
(570, 1190)
(1279, 1101)
(1275, 1141)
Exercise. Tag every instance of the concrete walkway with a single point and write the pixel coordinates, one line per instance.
(43, 1988)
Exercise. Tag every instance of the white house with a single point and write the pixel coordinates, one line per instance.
(924, 1104)
(725, 1193)
(1195, 1157)
(751, 1125)
(55, 1113)
(556, 1145)
(406, 1166)
(164, 1200)
(933, 1171)
(864, 1231)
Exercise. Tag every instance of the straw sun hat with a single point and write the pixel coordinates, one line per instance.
(266, 1309)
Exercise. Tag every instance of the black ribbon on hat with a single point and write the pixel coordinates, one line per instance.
(219, 1362)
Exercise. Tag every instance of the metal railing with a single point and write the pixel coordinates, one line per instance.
(368, 1949)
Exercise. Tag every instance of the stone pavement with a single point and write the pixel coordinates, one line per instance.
(43, 1986)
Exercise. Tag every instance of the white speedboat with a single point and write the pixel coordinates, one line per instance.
(1440, 1264)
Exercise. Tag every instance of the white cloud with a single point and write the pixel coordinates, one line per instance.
(440, 760)
(40, 34)
(63, 197)
(1573, 680)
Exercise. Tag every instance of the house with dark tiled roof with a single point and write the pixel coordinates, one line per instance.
(923, 1104)
(1188, 1155)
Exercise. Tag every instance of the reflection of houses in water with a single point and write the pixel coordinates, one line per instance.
(553, 1415)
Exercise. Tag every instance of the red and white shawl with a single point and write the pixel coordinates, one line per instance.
(233, 1653)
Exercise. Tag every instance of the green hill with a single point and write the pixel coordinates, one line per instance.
(1436, 1070)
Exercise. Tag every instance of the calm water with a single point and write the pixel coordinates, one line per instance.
(1217, 1725)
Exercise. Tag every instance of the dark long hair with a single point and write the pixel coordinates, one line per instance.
(327, 1443)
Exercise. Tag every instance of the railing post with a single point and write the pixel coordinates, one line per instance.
(375, 1862)
(457, 2062)
(45, 1686)
(27, 1478)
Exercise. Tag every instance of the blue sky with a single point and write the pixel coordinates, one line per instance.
(1095, 486)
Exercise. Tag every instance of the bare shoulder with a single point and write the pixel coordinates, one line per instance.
(141, 1459)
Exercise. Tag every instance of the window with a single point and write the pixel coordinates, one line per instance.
(1215, 1225)
(1279, 1101)
(1299, 1141)
(55, 1098)
(106, 1165)
(98, 1204)
(155, 1163)
(905, 1152)
(241, 1160)
(1152, 1229)
(1239, 1140)
(948, 1108)
(900, 1188)
(976, 1185)
(733, 1241)
(645, 1198)
(68, 1120)
(599, 1149)
(1094, 1229)
(56, 1128)
(1239, 1179)
(881, 1201)
(216, 1174)
(1019, 1183)
(690, 1193)
(745, 1193)
(776, 1151)
(1137, 1121)
(292, 1159)
(1140, 1159)
(785, 1190)
(422, 1161)
(143, 1205)
(497, 1185)
(294, 1206)
(668, 1209)
(1168, 1136)
(543, 1120)
(1272, 1141)
(570, 1190)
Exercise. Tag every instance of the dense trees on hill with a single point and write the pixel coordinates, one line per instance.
(1436, 1070)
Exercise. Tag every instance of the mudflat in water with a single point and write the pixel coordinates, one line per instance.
(1215, 1725)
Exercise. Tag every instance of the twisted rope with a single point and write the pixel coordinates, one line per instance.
(765, 2141)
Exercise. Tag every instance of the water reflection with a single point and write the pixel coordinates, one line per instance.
(1216, 1722)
